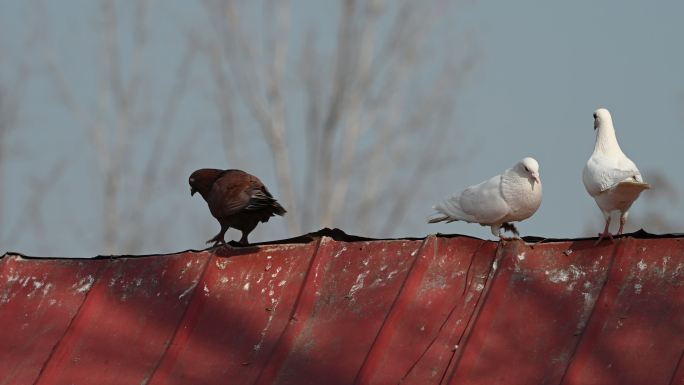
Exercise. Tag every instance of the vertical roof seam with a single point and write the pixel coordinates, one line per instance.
(295, 307)
(181, 319)
(676, 369)
(475, 314)
(98, 274)
(416, 253)
(599, 296)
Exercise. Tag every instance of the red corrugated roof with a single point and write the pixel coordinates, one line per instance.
(439, 310)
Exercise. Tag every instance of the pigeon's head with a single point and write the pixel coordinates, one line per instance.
(201, 180)
(530, 168)
(601, 116)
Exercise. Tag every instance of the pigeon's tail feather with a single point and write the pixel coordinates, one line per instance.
(442, 218)
(448, 211)
(278, 209)
(633, 185)
(621, 195)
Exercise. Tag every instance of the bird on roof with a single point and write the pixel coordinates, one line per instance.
(610, 177)
(512, 196)
(236, 199)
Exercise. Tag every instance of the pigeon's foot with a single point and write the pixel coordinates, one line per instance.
(504, 239)
(603, 236)
(511, 228)
(606, 232)
(217, 240)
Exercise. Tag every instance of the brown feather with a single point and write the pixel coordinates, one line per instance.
(236, 199)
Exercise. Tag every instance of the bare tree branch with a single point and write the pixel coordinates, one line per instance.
(224, 104)
(116, 121)
(263, 97)
(345, 38)
(276, 130)
(11, 98)
(354, 125)
(152, 169)
(32, 222)
(360, 118)
(313, 94)
(366, 115)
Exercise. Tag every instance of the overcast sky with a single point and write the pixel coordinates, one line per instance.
(542, 69)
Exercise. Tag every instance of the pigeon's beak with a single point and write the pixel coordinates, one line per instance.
(535, 176)
(192, 191)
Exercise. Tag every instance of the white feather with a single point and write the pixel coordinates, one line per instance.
(512, 196)
(609, 176)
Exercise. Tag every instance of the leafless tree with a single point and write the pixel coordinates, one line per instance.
(124, 115)
(8, 110)
(8, 116)
(34, 186)
(369, 113)
(351, 128)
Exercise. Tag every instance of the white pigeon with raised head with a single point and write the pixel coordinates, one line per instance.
(509, 197)
(610, 177)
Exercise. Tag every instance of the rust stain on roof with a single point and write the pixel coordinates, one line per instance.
(336, 310)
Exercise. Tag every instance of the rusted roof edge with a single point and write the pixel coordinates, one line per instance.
(338, 235)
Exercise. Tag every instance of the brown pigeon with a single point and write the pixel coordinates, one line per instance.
(236, 199)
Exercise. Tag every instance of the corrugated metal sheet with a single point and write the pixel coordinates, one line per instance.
(337, 310)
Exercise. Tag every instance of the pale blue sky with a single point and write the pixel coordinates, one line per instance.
(543, 67)
(547, 65)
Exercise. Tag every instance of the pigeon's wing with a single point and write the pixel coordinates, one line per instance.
(484, 202)
(259, 199)
(624, 163)
(230, 194)
(601, 173)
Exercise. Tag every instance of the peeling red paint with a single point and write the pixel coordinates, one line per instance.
(439, 310)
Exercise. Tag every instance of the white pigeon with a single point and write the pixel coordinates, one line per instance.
(512, 196)
(610, 177)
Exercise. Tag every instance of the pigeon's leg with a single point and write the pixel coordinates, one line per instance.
(219, 238)
(605, 232)
(243, 240)
(511, 227)
(246, 230)
(623, 219)
(496, 230)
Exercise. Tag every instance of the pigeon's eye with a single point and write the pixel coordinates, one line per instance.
(594, 115)
(526, 169)
(192, 180)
